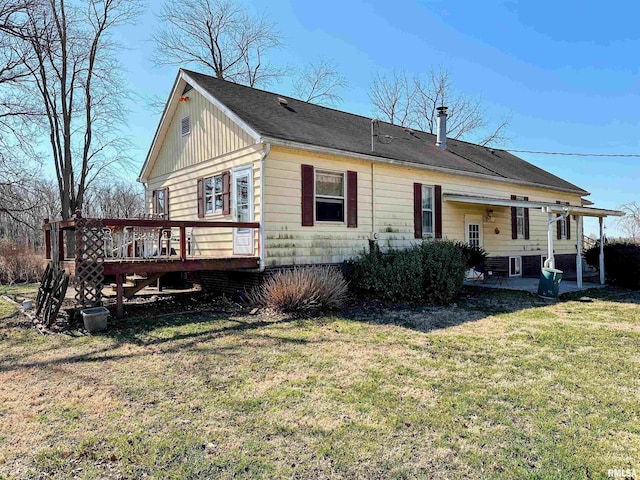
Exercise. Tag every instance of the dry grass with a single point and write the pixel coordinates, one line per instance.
(500, 386)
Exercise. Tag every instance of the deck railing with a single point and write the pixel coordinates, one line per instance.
(140, 239)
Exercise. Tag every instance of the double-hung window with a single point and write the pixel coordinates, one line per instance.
(427, 211)
(329, 196)
(520, 221)
(213, 189)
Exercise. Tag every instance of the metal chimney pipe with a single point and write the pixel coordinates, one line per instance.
(441, 137)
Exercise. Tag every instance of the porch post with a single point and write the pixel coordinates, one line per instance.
(579, 255)
(601, 250)
(551, 262)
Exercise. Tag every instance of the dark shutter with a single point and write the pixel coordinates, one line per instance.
(352, 199)
(226, 192)
(514, 220)
(166, 203)
(307, 195)
(200, 197)
(154, 202)
(568, 227)
(437, 193)
(558, 226)
(526, 220)
(417, 210)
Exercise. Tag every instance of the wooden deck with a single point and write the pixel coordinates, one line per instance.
(118, 247)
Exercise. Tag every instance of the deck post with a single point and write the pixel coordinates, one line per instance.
(579, 255)
(47, 239)
(600, 220)
(119, 295)
(183, 243)
(551, 261)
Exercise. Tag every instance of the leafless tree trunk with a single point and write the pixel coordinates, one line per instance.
(219, 35)
(320, 83)
(72, 71)
(413, 103)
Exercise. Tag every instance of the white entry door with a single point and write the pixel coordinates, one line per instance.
(242, 204)
(473, 236)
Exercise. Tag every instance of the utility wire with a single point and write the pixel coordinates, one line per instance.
(630, 155)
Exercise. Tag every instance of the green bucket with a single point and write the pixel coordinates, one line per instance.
(549, 285)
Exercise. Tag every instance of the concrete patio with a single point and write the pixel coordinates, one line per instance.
(529, 284)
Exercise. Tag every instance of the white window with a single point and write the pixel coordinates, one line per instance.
(213, 194)
(185, 126)
(160, 202)
(427, 211)
(329, 196)
(543, 259)
(563, 228)
(520, 222)
(515, 266)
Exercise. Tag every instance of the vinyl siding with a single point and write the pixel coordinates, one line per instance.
(212, 134)
(183, 199)
(385, 206)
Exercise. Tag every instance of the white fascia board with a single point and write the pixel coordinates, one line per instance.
(390, 161)
(142, 177)
(545, 206)
(221, 106)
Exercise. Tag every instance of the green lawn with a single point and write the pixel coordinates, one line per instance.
(500, 386)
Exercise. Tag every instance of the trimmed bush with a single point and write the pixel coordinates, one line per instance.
(19, 264)
(621, 263)
(302, 290)
(430, 272)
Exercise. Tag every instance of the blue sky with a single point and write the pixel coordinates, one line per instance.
(566, 72)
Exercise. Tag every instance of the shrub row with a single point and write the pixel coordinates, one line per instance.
(19, 263)
(621, 263)
(430, 272)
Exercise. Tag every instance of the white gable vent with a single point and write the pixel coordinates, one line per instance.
(185, 125)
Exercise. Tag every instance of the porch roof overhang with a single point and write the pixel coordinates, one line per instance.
(544, 206)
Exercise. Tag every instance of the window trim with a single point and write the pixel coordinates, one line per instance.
(343, 198)
(155, 197)
(563, 228)
(519, 258)
(520, 234)
(433, 211)
(204, 180)
(188, 132)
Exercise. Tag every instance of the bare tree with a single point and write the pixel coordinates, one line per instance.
(320, 83)
(414, 103)
(393, 98)
(219, 35)
(630, 223)
(73, 73)
(117, 200)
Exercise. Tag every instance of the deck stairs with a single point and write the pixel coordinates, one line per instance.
(135, 283)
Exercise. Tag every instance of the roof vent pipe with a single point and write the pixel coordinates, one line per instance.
(441, 137)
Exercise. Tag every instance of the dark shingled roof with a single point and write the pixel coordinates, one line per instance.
(311, 124)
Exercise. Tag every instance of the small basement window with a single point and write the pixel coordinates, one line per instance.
(329, 196)
(515, 266)
(185, 126)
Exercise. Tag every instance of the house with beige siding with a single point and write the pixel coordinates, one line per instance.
(321, 183)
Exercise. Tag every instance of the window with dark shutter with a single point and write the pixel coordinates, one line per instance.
(307, 195)
(200, 193)
(352, 199)
(417, 210)
(329, 196)
(226, 192)
(437, 193)
(519, 220)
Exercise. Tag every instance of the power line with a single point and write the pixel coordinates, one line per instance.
(628, 155)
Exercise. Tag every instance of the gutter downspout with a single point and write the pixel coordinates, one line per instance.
(262, 236)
